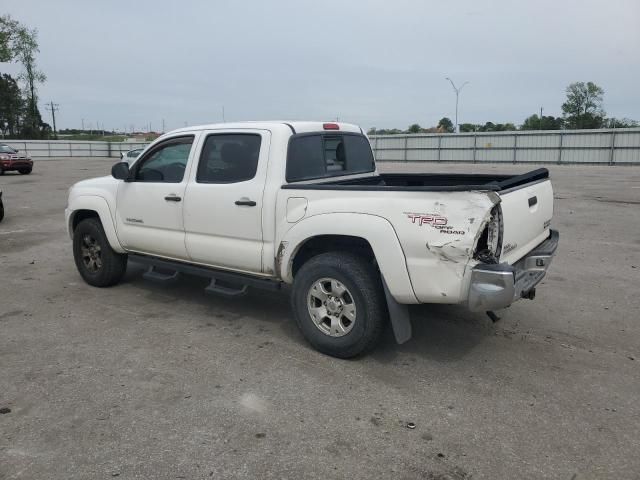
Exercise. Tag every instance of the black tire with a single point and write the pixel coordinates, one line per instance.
(112, 265)
(363, 285)
(24, 171)
(1, 209)
(1, 172)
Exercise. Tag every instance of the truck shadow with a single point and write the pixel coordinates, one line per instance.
(442, 333)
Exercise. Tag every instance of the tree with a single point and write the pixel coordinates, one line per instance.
(620, 123)
(371, 131)
(583, 107)
(446, 125)
(20, 43)
(415, 128)
(11, 104)
(549, 122)
(8, 27)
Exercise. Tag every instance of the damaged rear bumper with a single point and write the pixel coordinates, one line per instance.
(497, 286)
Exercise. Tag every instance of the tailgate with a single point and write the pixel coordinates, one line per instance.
(526, 216)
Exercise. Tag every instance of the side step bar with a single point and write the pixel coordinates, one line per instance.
(244, 281)
(154, 275)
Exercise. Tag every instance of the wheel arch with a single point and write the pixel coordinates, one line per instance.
(84, 207)
(365, 234)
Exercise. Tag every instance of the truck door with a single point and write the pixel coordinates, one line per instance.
(224, 200)
(149, 205)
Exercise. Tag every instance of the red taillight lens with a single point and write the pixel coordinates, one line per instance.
(331, 126)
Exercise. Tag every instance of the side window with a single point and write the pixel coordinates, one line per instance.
(305, 158)
(166, 163)
(229, 158)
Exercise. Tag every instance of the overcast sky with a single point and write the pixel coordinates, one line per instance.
(374, 63)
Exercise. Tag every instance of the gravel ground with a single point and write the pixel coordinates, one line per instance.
(145, 381)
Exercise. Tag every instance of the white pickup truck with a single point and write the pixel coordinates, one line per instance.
(270, 204)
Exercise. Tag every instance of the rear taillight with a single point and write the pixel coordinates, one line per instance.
(331, 126)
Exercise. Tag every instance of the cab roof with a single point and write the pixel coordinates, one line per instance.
(296, 126)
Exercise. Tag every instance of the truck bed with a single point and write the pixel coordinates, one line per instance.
(426, 182)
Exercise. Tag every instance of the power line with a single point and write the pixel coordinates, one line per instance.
(52, 107)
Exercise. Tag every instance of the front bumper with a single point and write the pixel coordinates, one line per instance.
(8, 166)
(497, 286)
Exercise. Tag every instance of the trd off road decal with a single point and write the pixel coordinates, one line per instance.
(434, 220)
(428, 218)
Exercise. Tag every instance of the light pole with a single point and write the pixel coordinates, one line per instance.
(457, 90)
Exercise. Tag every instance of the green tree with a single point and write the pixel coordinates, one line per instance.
(549, 122)
(20, 43)
(620, 123)
(8, 27)
(11, 104)
(446, 124)
(415, 128)
(468, 127)
(583, 107)
(372, 131)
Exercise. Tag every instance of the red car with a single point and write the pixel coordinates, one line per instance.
(10, 159)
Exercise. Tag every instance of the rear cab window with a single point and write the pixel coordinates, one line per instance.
(314, 156)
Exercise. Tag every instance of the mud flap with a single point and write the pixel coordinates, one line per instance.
(399, 315)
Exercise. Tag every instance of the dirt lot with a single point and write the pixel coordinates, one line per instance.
(145, 381)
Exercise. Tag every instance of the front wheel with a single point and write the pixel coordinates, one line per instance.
(98, 264)
(24, 171)
(338, 303)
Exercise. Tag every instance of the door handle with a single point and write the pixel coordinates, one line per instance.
(173, 198)
(246, 202)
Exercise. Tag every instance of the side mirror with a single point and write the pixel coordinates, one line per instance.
(120, 171)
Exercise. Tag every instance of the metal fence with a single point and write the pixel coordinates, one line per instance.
(72, 148)
(606, 146)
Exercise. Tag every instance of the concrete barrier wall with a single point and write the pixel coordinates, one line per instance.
(606, 146)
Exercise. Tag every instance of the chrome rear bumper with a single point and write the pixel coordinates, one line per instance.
(497, 286)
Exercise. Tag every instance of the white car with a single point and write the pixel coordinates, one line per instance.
(264, 204)
(131, 155)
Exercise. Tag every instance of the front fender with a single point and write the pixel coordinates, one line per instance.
(101, 207)
(375, 230)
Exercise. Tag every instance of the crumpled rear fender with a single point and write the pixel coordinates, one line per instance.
(377, 231)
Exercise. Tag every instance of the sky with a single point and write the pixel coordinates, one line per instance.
(123, 64)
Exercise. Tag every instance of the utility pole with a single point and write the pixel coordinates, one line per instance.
(83, 124)
(223, 120)
(540, 118)
(52, 107)
(163, 125)
(457, 90)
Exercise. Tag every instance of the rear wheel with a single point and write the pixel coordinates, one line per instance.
(338, 303)
(25, 171)
(98, 264)
(1, 209)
